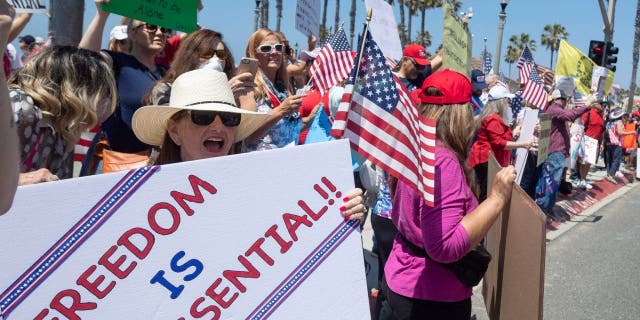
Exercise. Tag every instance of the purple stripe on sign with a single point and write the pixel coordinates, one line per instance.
(73, 239)
(303, 270)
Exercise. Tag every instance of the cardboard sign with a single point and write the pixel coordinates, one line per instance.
(456, 43)
(590, 150)
(384, 29)
(179, 15)
(30, 6)
(513, 287)
(308, 17)
(543, 138)
(250, 236)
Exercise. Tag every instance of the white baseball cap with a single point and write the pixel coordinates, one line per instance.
(118, 33)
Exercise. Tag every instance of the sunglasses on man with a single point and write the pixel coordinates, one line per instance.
(268, 48)
(205, 118)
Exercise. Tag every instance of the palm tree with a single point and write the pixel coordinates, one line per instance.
(322, 33)
(513, 54)
(337, 23)
(636, 40)
(551, 38)
(352, 22)
(424, 39)
(278, 14)
(523, 41)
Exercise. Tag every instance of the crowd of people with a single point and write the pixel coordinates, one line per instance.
(154, 97)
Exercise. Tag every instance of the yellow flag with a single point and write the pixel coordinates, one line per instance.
(573, 63)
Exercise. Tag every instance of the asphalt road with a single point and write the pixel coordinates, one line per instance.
(593, 270)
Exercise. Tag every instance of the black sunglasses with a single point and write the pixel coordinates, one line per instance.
(267, 48)
(152, 28)
(418, 66)
(214, 52)
(205, 118)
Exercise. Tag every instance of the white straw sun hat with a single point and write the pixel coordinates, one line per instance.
(202, 89)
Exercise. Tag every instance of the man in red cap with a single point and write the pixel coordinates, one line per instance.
(414, 66)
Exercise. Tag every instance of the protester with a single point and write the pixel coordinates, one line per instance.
(201, 49)
(593, 128)
(273, 94)
(615, 131)
(420, 287)
(118, 39)
(479, 84)
(135, 74)
(203, 121)
(59, 93)
(26, 45)
(413, 63)
(493, 136)
(9, 147)
(558, 148)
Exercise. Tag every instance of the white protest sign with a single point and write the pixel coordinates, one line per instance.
(384, 29)
(308, 17)
(251, 236)
(637, 163)
(591, 149)
(28, 5)
(598, 79)
(529, 122)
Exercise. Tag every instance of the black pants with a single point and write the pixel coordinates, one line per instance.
(482, 171)
(402, 308)
(385, 231)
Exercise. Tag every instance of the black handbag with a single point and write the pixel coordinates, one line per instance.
(470, 269)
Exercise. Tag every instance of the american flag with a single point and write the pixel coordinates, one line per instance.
(333, 63)
(533, 87)
(83, 144)
(383, 125)
(486, 62)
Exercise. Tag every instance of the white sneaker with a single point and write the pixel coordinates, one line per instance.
(619, 174)
(584, 185)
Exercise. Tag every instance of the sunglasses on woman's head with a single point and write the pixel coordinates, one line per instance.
(153, 28)
(220, 53)
(267, 48)
(205, 118)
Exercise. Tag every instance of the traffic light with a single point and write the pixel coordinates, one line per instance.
(610, 57)
(596, 51)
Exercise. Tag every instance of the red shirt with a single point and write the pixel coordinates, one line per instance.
(166, 56)
(309, 102)
(493, 136)
(595, 127)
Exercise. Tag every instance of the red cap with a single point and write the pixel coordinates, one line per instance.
(417, 53)
(635, 114)
(455, 88)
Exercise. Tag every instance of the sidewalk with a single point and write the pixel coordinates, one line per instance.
(578, 206)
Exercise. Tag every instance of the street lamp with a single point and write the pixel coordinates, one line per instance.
(256, 15)
(503, 16)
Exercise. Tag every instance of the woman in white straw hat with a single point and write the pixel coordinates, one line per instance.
(203, 121)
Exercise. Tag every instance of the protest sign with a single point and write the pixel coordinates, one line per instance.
(456, 42)
(308, 17)
(543, 138)
(234, 237)
(384, 29)
(591, 150)
(30, 6)
(529, 122)
(513, 287)
(576, 142)
(179, 15)
(598, 81)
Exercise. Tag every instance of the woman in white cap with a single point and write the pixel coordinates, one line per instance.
(493, 136)
(118, 39)
(203, 121)
(615, 131)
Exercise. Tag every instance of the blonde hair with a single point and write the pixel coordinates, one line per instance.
(67, 84)
(282, 75)
(498, 107)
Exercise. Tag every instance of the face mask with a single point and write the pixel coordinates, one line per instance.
(213, 64)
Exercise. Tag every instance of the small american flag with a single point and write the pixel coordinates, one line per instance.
(383, 125)
(83, 144)
(333, 63)
(486, 62)
(533, 87)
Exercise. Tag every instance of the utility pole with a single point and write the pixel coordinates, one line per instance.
(502, 16)
(65, 21)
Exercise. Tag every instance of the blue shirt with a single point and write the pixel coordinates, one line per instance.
(133, 79)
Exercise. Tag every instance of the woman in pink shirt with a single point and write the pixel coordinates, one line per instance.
(420, 287)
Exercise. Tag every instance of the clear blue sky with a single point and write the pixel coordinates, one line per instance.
(581, 18)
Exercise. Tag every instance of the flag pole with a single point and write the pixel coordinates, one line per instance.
(364, 39)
